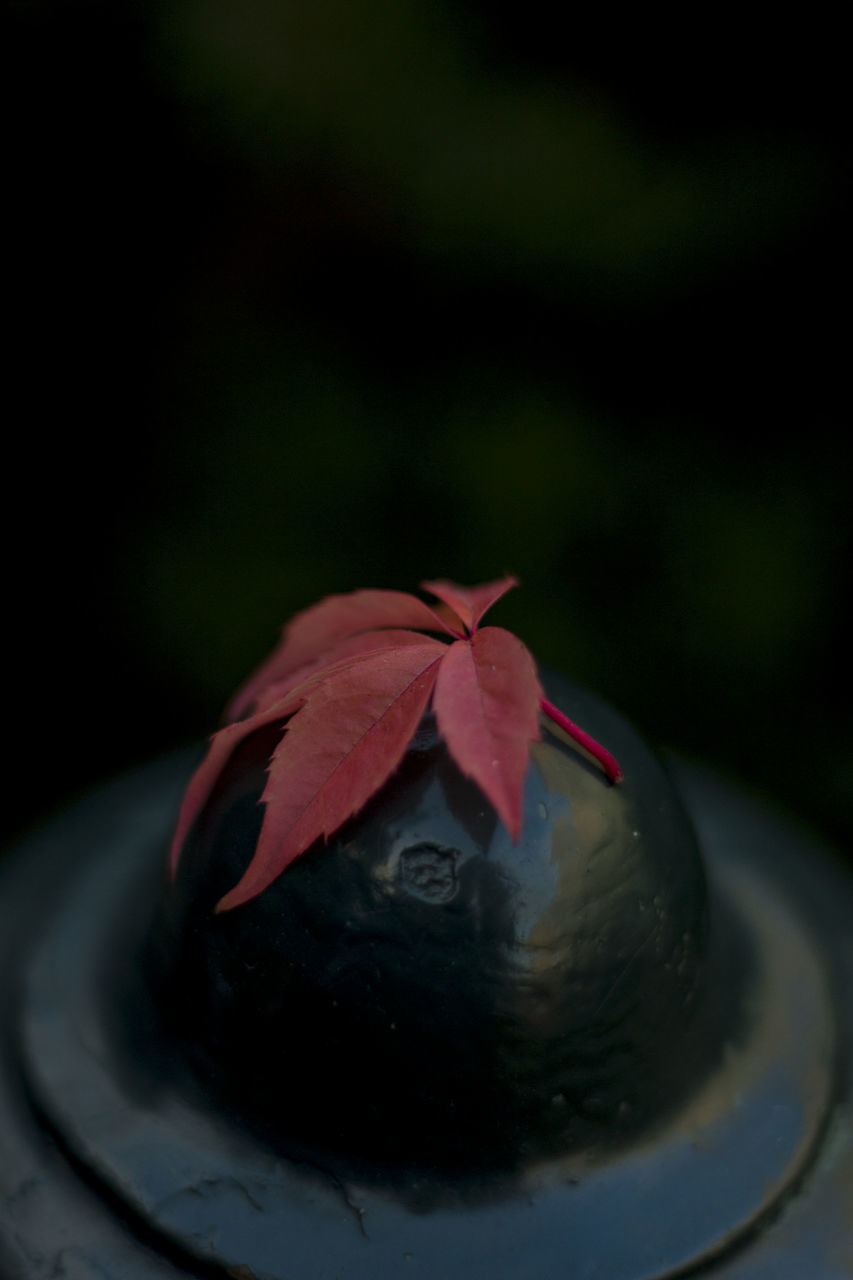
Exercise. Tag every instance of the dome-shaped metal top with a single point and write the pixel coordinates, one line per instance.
(492, 1001)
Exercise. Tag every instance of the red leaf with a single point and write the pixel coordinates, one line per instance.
(487, 699)
(349, 684)
(470, 602)
(349, 648)
(315, 630)
(342, 745)
(222, 745)
(280, 701)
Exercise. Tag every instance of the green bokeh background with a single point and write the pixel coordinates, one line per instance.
(317, 295)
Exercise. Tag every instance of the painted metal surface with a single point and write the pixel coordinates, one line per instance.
(129, 1152)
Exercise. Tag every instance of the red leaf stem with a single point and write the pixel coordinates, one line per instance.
(602, 755)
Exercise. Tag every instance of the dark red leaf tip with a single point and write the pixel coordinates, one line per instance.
(470, 603)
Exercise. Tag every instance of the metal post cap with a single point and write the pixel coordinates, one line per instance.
(620, 1049)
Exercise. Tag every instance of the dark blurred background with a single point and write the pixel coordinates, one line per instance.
(309, 296)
